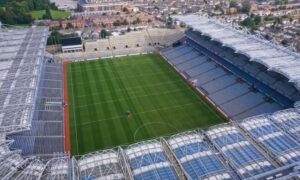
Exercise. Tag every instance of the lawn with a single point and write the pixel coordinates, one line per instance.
(38, 14)
(102, 92)
(59, 14)
(55, 14)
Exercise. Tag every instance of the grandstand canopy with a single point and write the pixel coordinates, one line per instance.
(21, 54)
(275, 57)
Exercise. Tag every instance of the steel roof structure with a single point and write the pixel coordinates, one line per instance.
(21, 55)
(275, 57)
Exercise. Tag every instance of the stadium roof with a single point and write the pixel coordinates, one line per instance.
(21, 53)
(275, 57)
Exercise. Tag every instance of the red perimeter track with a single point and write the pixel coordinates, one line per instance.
(66, 111)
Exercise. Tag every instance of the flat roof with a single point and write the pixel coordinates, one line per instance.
(71, 41)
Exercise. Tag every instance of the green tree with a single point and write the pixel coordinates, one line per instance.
(257, 20)
(246, 6)
(47, 14)
(281, 2)
(233, 4)
(169, 21)
(103, 33)
(18, 11)
(54, 38)
(284, 42)
(248, 22)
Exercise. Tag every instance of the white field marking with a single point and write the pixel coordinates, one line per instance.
(127, 77)
(131, 89)
(74, 114)
(131, 97)
(104, 66)
(150, 123)
(142, 112)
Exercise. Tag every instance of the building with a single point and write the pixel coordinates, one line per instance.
(101, 6)
(73, 44)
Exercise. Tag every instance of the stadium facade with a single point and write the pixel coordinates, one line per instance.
(253, 82)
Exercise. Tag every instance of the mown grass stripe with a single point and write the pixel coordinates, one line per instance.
(155, 112)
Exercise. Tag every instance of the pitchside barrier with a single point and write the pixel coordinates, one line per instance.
(215, 106)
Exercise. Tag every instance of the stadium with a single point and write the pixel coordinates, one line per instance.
(206, 102)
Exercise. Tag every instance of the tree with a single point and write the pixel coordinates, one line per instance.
(125, 9)
(233, 4)
(169, 21)
(125, 22)
(281, 2)
(18, 11)
(248, 22)
(246, 6)
(70, 25)
(138, 20)
(252, 22)
(54, 38)
(47, 15)
(104, 33)
(257, 20)
(117, 23)
(284, 42)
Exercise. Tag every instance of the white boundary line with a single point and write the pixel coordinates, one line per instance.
(74, 112)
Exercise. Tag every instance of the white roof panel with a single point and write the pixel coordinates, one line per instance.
(255, 48)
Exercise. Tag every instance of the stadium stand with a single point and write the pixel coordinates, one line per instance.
(198, 160)
(164, 37)
(46, 135)
(19, 70)
(252, 68)
(135, 42)
(289, 121)
(274, 57)
(33, 171)
(105, 165)
(259, 147)
(242, 154)
(277, 142)
(149, 161)
(10, 164)
(228, 91)
(31, 93)
(57, 168)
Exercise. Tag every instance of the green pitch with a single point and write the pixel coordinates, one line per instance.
(130, 99)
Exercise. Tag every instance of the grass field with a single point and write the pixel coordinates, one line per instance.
(161, 102)
(37, 14)
(59, 14)
(55, 14)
